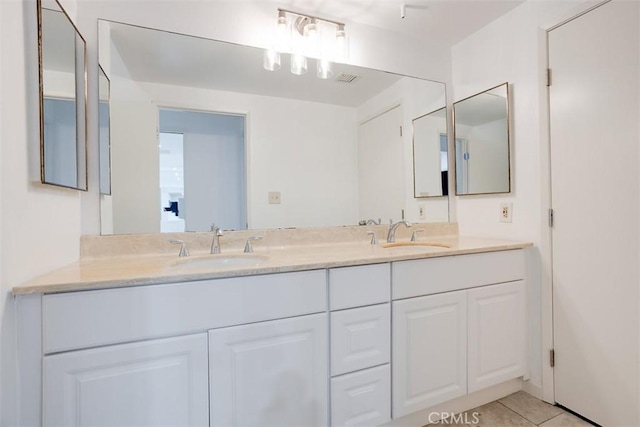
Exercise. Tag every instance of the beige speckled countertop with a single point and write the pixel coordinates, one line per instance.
(121, 271)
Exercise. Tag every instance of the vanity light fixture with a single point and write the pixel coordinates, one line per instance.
(303, 37)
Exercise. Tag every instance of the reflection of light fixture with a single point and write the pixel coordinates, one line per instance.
(298, 64)
(308, 36)
(325, 69)
(271, 60)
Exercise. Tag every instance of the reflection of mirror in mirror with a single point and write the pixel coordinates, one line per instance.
(481, 127)
(62, 98)
(430, 148)
(103, 138)
(302, 160)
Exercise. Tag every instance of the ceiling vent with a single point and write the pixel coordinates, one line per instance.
(346, 78)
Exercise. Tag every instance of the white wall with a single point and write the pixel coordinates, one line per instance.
(417, 98)
(39, 225)
(513, 49)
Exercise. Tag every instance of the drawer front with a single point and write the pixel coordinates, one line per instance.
(360, 338)
(92, 318)
(436, 275)
(359, 286)
(362, 398)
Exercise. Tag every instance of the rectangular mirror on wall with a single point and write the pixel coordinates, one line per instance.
(202, 133)
(482, 142)
(104, 139)
(63, 148)
(430, 155)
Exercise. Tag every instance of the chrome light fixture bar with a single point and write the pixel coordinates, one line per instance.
(303, 37)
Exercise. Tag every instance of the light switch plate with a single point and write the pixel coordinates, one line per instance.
(274, 197)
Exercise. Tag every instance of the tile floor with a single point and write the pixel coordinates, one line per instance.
(518, 410)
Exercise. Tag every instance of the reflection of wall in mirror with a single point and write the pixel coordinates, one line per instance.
(417, 98)
(427, 131)
(61, 158)
(488, 162)
(290, 150)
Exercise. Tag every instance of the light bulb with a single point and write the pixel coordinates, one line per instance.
(282, 33)
(341, 42)
(298, 64)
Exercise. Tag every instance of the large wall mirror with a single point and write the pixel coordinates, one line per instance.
(61, 48)
(201, 133)
(481, 128)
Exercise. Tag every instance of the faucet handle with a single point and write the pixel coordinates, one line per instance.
(183, 248)
(374, 238)
(248, 248)
(414, 235)
(216, 229)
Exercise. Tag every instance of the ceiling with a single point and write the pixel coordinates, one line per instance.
(441, 21)
(175, 59)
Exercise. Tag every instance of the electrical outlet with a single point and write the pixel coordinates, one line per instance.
(274, 197)
(506, 212)
(421, 213)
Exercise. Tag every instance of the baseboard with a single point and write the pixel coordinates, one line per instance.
(461, 404)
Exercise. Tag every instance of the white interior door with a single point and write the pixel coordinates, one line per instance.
(594, 111)
(381, 167)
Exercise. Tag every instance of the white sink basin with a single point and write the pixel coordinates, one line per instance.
(220, 261)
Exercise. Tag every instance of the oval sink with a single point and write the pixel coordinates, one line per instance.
(220, 261)
(414, 244)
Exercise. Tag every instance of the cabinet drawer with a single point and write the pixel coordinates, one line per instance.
(362, 398)
(359, 286)
(92, 318)
(436, 275)
(360, 338)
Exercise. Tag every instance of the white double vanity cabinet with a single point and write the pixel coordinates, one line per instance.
(357, 345)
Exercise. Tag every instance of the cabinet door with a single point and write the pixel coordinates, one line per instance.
(152, 383)
(270, 374)
(429, 351)
(497, 334)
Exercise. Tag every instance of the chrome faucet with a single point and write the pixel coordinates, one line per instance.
(215, 244)
(391, 236)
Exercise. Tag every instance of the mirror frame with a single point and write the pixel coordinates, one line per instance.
(81, 137)
(455, 149)
(413, 145)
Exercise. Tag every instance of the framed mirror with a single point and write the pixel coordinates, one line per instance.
(482, 142)
(430, 155)
(62, 70)
(104, 138)
(201, 133)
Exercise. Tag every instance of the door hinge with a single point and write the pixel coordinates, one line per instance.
(550, 217)
(400, 130)
(552, 358)
(548, 76)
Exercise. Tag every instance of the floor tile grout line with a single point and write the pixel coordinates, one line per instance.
(524, 418)
(554, 417)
